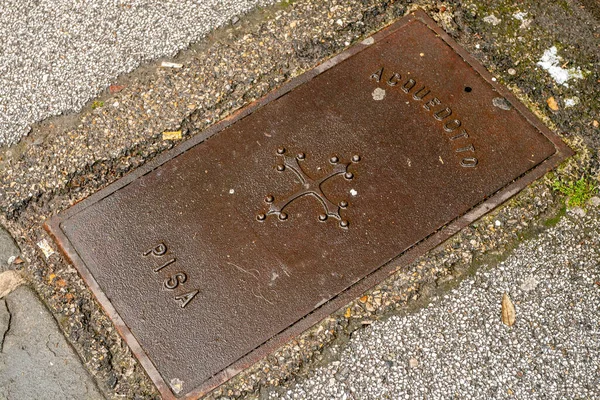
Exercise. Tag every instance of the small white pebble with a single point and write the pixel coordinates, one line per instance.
(492, 19)
(231, 191)
(572, 101)
(378, 94)
(177, 385)
(368, 41)
(353, 192)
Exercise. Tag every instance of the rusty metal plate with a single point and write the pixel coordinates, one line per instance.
(221, 250)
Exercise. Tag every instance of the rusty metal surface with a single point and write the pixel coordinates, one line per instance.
(211, 256)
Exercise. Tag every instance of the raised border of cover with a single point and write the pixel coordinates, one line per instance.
(53, 226)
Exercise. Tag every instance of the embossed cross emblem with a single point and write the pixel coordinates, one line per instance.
(310, 187)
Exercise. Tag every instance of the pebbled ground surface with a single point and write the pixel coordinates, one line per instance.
(457, 347)
(65, 159)
(55, 55)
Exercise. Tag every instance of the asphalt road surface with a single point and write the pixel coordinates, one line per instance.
(459, 348)
(56, 55)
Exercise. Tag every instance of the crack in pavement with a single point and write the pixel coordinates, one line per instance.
(5, 333)
(48, 346)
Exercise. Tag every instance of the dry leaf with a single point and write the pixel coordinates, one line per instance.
(348, 313)
(595, 123)
(508, 311)
(115, 88)
(552, 104)
(9, 281)
(171, 135)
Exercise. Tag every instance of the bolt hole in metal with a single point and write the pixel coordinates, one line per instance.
(468, 89)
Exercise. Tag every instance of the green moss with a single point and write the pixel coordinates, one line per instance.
(577, 192)
(97, 104)
(286, 3)
(527, 235)
(550, 222)
(565, 6)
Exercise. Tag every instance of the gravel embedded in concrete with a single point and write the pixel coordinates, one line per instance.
(57, 55)
(458, 347)
(57, 166)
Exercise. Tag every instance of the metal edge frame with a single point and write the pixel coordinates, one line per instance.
(54, 229)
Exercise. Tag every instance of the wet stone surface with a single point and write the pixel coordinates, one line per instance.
(36, 361)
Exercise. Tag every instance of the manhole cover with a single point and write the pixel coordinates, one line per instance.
(221, 250)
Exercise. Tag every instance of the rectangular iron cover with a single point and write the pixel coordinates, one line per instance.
(221, 250)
